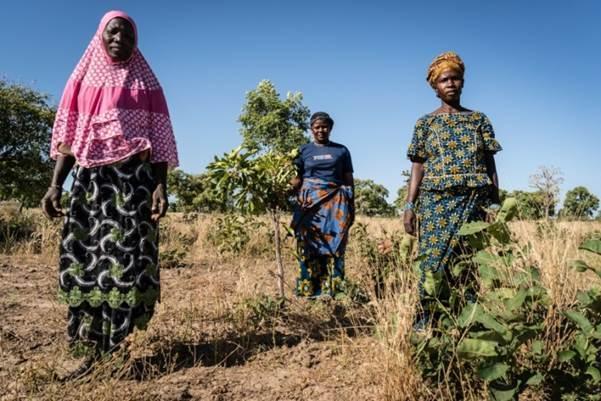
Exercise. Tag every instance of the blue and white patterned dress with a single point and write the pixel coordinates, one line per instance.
(456, 187)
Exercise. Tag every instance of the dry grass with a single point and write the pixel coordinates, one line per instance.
(219, 333)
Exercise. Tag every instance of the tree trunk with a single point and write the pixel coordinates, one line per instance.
(278, 251)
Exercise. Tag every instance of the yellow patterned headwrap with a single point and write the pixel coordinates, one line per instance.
(447, 60)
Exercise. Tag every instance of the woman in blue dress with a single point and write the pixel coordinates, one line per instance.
(453, 174)
(325, 211)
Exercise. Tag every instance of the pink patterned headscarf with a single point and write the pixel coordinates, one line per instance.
(111, 110)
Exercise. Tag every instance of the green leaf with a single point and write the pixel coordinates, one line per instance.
(432, 282)
(503, 394)
(468, 315)
(500, 232)
(592, 245)
(493, 372)
(473, 228)
(537, 347)
(579, 265)
(582, 266)
(486, 258)
(470, 348)
(508, 210)
(594, 373)
(516, 301)
(535, 379)
(580, 320)
(487, 335)
(491, 323)
(565, 356)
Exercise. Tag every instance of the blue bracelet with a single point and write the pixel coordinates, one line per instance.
(409, 206)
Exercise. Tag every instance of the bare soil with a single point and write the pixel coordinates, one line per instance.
(209, 340)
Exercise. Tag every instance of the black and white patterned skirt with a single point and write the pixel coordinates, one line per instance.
(108, 272)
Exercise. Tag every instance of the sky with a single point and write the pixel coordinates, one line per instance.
(533, 67)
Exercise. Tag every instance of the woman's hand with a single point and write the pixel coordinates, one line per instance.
(409, 220)
(51, 203)
(159, 203)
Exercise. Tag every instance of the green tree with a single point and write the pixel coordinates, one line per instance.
(25, 128)
(370, 199)
(579, 203)
(531, 205)
(194, 192)
(401, 193)
(256, 175)
(270, 123)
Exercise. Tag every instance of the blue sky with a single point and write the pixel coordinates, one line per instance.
(534, 67)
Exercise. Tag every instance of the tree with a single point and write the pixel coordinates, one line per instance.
(530, 205)
(370, 199)
(401, 193)
(269, 123)
(256, 175)
(25, 127)
(579, 203)
(547, 181)
(194, 192)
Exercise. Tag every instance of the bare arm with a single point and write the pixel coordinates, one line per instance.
(296, 183)
(159, 195)
(491, 170)
(350, 181)
(51, 202)
(417, 175)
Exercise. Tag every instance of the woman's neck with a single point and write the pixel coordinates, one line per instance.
(450, 108)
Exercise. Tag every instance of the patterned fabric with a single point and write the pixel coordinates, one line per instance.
(320, 275)
(108, 271)
(321, 224)
(441, 215)
(111, 110)
(456, 187)
(453, 149)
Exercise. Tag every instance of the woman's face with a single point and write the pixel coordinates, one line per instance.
(321, 131)
(449, 85)
(119, 39)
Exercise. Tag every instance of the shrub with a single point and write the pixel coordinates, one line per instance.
(499, 341)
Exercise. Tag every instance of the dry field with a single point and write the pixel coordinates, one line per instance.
(219, 334)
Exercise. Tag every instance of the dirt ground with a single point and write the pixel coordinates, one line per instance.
(204, 343)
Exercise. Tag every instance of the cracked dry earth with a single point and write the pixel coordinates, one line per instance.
(204, 343)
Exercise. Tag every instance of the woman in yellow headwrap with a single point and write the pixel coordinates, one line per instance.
(453, 173)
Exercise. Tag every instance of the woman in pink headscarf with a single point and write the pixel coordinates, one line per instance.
(113, 125)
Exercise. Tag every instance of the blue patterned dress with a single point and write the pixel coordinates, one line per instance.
(322, 219)
(456, 187)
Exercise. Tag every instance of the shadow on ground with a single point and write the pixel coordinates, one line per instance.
(237, 349)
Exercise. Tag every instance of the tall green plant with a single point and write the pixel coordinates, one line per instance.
(257, 183)
(255, 176)
(497, 340)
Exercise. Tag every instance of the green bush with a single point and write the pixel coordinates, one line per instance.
(497, 341)
(232, 233)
